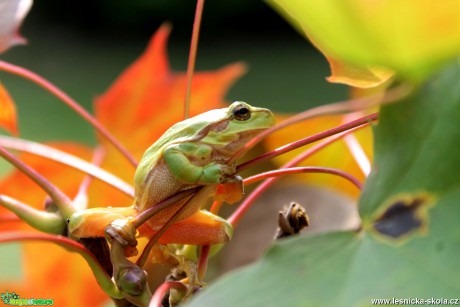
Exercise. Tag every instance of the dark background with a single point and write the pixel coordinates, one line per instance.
(82, 46)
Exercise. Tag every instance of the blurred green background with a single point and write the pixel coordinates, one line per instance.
(82, 46)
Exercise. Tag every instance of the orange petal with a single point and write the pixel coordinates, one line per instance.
(148, 98)
(7, 112)
(335, 155)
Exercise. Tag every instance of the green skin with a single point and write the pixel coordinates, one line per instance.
(191, 153)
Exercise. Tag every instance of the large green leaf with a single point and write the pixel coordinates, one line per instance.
(412, 198)
(411, 37)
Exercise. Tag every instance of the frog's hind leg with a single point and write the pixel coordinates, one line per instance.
(202, 228)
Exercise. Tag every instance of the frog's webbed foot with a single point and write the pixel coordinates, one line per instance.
(231, 190)
(123, 232)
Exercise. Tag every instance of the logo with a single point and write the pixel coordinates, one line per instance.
(13, 299)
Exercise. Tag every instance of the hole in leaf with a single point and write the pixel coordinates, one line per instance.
(402, 217)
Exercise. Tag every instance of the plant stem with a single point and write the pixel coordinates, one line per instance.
(104, 280)
(81, 199)
(346, 106)
(145, 253)
(66, 159)
(203, 261)
(20, 71)
(357, 151)
(215, 207)
(308, 140)
(61, 200)
(304, 169)
(248, 201)
(150, 212)
(192, 55)
(161, 291)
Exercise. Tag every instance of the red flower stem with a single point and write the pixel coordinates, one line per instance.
(203, 261)
(161, 291)
(27, 74)
(192, 55)
(305, 141)
(215, 207)
(145, 253)
(358, 154)
(61, 200)
(248, 201)
(355, 149)
(346, 106)
(150, 212)
(104, 280)
(66, 159)
(81, 199)
(304, 169)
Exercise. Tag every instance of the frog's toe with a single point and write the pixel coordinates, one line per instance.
(122, 231)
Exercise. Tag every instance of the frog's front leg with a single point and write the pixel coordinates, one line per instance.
(191, 163)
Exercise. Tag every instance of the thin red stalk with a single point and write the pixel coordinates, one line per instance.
(27, 74)
(203, 261)
(329, 109)
(215, 207)
(161, 291)
(308, 140)
(61, 200)
(356, 149)
(303, 169)
(248, 201)
(102, 278)
(358, 154)
(81, 199)
(192, 55)
(66, 159)
(150, 212)
(145, 253)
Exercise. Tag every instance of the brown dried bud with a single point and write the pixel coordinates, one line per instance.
(291, 220)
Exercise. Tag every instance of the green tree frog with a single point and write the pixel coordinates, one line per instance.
(193, 152)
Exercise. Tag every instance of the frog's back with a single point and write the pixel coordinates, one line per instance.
(152, 164)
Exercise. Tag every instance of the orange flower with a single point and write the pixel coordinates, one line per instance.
(142, 103)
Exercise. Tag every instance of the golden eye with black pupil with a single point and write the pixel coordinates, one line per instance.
(241, 112)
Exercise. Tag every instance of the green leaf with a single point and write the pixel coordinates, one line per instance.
(409, 244)
(412, 37)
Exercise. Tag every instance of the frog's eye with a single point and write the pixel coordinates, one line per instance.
(241, 112)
